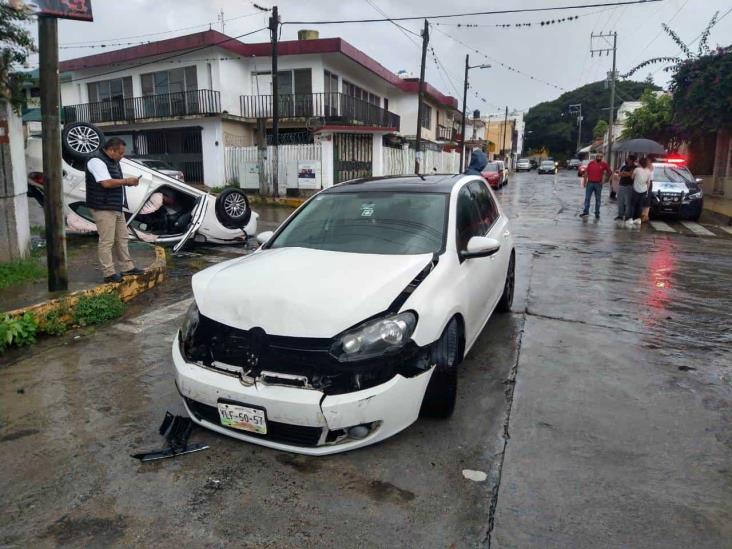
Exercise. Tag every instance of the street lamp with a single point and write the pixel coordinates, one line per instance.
(465, 100)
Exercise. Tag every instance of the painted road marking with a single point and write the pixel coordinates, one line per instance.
(697, 229)
(663, 227)
(158, 316)
(726, 229)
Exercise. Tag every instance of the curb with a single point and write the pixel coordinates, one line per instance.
(127, 290)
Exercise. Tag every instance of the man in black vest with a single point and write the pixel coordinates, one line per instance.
(105, 196)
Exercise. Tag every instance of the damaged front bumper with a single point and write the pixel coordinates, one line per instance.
(302, 419)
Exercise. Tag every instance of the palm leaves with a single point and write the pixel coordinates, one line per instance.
(674, 62)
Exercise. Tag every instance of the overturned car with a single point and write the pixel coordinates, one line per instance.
(160, 209)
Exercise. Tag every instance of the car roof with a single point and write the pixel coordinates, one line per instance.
(412, 184)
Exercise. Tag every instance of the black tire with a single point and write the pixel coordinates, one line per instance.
(232, 209)
(81, 140)
(504, 304)
(439, 399)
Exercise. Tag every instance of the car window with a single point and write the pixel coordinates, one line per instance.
(491, 168)
(486, 207)
(672, 174)
(468, 219)
(390, 223)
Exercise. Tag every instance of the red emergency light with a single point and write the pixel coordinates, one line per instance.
(675, 159)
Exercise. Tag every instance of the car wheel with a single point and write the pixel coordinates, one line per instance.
(232, 209)
(504, 304)
(81, 140)
(439, 399)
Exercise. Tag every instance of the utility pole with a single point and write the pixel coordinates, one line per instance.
(420, 108)
(58, 279)
(465, 100)
(274, 24)
(505, 124)
(605, 37)
(577, 109)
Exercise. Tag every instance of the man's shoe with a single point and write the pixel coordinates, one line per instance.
(597, 216)
(584, 214)
(116, 277)
(618, 218)
(132, 272)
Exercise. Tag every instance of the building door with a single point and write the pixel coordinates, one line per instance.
(352, 156)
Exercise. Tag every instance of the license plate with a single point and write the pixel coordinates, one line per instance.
(244, 418)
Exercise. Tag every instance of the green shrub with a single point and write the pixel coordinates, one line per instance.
(52, 324)
(23, 270)
(17, 332)
(90, 310)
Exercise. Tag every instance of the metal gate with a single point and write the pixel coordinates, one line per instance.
(352, 156)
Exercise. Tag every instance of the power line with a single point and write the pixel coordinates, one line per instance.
(501, 63)
(160, 33)
(640, 53)
(471, 14)
(229, 39)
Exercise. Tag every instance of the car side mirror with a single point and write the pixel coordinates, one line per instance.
(264, 237)
(480, 246)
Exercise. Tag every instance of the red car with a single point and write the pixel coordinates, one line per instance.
(493, 174)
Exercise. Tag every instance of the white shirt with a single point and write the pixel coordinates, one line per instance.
(641, 178)
(98, 169)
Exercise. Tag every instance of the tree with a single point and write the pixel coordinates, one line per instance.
(16, 44)
(653, 120)
(600, 129)
(675, 62)
(553, 128)
(702, 92)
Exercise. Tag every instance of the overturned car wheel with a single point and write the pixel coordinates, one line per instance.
(81, 140)
(232, 209)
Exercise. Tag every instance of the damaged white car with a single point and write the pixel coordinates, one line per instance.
(350, 319)
(160, 209)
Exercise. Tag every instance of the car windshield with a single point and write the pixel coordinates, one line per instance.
(547, 163)
(523, 160)
(156, 164)
(672, 174)
(491, 168)
(390, 223)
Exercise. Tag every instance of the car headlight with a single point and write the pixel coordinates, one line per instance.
(375, 338)
(188, 329)
(694, 196)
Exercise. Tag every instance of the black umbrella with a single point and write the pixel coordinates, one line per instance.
(639, 146)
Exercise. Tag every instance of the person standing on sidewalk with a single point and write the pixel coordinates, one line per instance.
(105, 196)
(625, 190)
(594, 175)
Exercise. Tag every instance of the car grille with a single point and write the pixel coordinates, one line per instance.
(285, 433)
(255, 351)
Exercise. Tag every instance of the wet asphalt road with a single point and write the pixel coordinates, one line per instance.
(74, 408)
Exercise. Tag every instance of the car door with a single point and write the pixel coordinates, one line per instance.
(477, 275)
(198, 214)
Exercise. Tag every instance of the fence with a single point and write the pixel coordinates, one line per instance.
(401, 162)
(241, 165)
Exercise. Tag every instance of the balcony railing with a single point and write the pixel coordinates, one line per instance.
(334, 108)
(446, 134)
(165, 105)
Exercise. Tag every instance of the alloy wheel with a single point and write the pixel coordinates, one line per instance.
(83, 139)
(235, 205)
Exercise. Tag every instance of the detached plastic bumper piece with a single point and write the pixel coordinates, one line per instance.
(177, 431)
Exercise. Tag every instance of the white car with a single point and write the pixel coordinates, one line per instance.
(523, 164)
(350, 319)
(160, 208)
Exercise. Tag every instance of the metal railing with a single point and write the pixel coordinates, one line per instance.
(335, 108)
(446, 134)
(165, 105)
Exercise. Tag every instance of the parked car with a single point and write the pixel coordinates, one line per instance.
(582, 168)
(394, 280)
(523, 165)
(159, 209)
(548, 166)
(161, 166)
(573, 163)
(675, 192)
(495, 174)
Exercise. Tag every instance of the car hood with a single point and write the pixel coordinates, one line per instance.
(301, 292)
(669, 187)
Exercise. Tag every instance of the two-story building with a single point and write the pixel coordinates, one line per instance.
(186, 99)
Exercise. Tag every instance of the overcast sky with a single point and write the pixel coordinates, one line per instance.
(557, 54)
